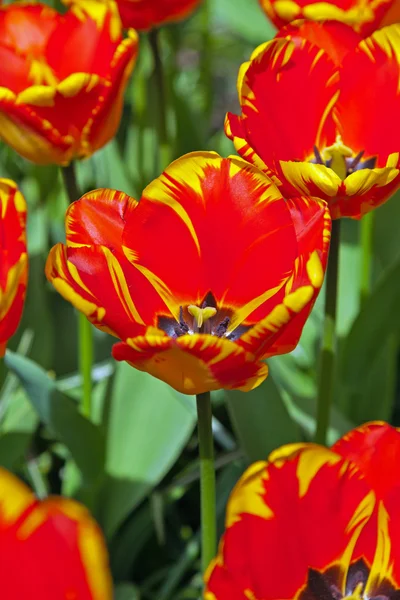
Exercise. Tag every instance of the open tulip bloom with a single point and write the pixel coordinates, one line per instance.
(13, 259)
(313, 523)
(49, 550)
(364, 16)
(319, 114)
(211, 272)
(62, 80)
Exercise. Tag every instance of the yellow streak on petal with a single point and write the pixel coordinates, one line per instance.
(121, 286)
(327, 111)
(310, 462)
(298, 299)
(247, 496)
(393, 160)
(73, 84)
(187, 171)
(363, 180)
(16, 274)
(158, 284)
(300, 174)
(89, 309)
(315, 271)
(287, 10)
(15, 497)
(242, 313)
(37, 95)
(382, 566)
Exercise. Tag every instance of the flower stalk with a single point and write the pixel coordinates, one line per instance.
(163, 157)
(207, 480)
(367, 231)
(85, 333)
(328, 349)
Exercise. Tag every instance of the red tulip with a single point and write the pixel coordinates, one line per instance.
(313, 523)
(49, 550)
(211, 272)
(13, 259)
(312, 117)
(62, 80)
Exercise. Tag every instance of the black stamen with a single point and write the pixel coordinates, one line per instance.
(221, 328)
(318, 157)
(354, 161)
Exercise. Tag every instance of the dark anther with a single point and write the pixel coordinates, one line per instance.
(221, 328)
(318, 157)
(182, 322)
(354, 161)
(182, 328)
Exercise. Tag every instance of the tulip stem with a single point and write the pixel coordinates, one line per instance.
(85, 332)
(70, 182)
(207, 480)
(367, 230)
(164, 151)
(328, 348)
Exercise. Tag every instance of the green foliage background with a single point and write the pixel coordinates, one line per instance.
(135, 466)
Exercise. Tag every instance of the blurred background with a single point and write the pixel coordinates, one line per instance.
(135, 466)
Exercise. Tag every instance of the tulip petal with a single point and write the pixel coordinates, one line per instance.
(141, 14)
(370, 124)
(58, 529)
(193, 364)
(13, 259)
(303, 509)
(277, 127)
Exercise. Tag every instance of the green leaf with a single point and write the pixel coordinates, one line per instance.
(126, 591)
(261, 420)
(377, 320)
(149, 424)
(245, 19)
(83, 439)
(13, 447)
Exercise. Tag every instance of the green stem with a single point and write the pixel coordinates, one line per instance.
(70, 182)
(164, 149)
(207, 62)
(85, 332)
(86, 362)
(328, 349)
(367, 230)
(207, 480)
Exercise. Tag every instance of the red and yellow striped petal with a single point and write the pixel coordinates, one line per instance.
(371, 124)
(13, 259)
(230, 219)
(303, 509)
(353, 197)
(333, 37)
(363, 16)
(61, 86)
(193, 364)
(272, 124)
(49, 550)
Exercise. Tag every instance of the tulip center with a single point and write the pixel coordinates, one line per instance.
(341, 159)
(327, 585)
(207, 318)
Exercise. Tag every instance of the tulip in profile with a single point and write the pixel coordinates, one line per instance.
(50, 549)
(211, 272)
(313, 523)
(312, 117)
(62, 80)
(13, 259)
